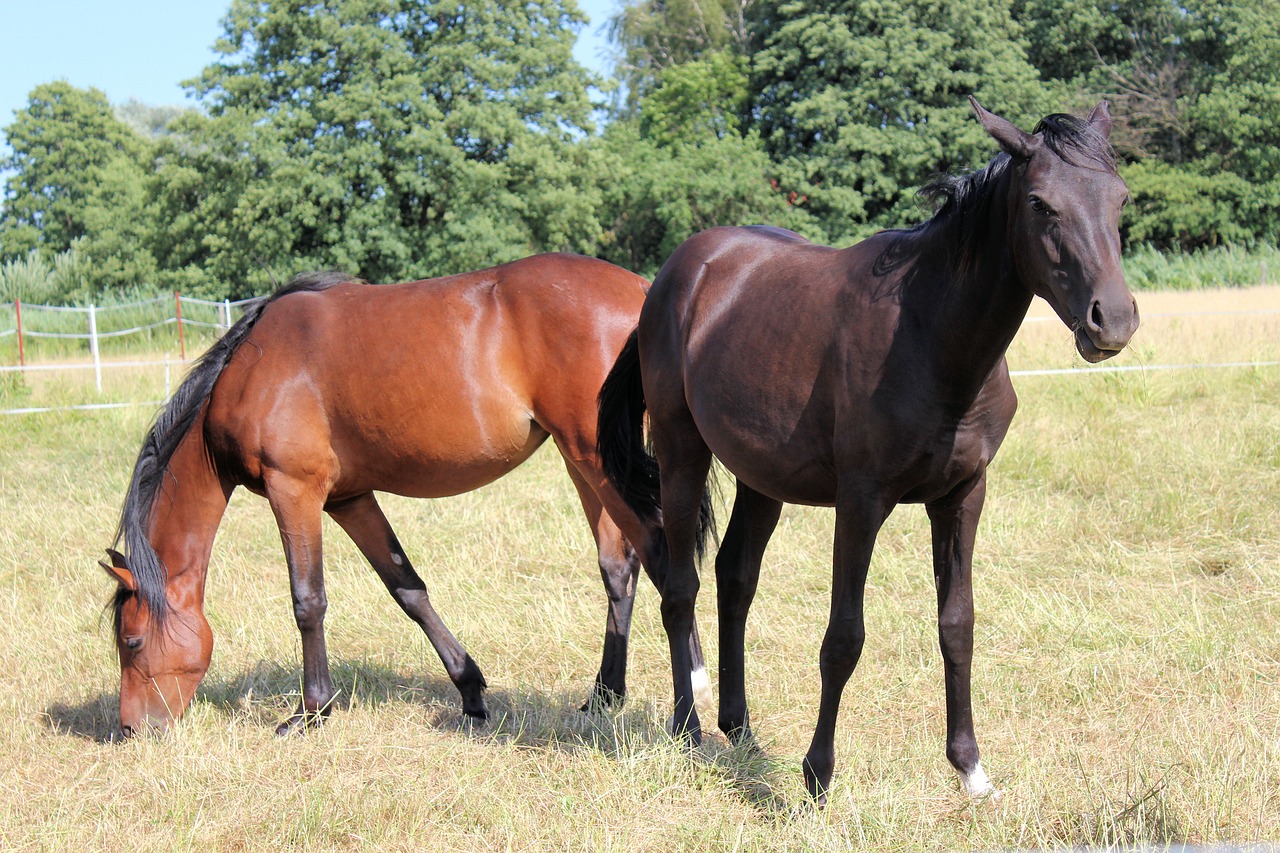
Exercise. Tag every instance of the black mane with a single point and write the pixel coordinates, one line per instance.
(959, 199)
(161, 442)
(1071, 139)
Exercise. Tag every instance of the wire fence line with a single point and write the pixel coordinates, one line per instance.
(224, 315)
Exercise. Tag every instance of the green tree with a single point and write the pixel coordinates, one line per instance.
(861, 102)
(657, 35)
(1195, 89)
(80, 177)
(660, 193)
(699, 99)
(391, 138)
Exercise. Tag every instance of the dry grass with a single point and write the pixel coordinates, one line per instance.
(1127, 681)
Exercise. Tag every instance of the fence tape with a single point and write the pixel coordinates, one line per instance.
(1135, 368)
(83, 407)
(7, 368)
(116, 334)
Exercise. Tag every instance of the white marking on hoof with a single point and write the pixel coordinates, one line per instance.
(977, 785)
(701, 687)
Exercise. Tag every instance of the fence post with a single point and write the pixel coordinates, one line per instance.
(182, 342)
(93, 346)
(226, 307)
(22, 353)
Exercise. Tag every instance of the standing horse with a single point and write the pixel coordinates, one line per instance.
(334, 388)
(862, 378)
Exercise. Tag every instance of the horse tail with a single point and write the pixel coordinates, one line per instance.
(165, 435)
(628, 464)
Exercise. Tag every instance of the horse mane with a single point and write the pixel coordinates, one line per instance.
(1071, 139)
(167, 431)
(967, 197)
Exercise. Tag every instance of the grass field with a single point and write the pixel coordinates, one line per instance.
(1126, 681)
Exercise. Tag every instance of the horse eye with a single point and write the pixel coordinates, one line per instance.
(1038, 205)
(133, 643)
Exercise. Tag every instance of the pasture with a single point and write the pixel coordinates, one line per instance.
(1126, 672)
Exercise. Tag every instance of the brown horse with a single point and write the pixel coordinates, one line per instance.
(862, 378)
(334, 388)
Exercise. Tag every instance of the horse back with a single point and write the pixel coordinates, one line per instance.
(425, 388)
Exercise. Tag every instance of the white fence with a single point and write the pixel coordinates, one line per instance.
(96, 325)
(181, 312)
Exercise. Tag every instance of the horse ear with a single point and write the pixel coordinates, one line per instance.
(1100, 119)
(119, 570)
(1014, 141)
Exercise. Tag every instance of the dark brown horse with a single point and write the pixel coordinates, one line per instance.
(862, 378)
(334, 388)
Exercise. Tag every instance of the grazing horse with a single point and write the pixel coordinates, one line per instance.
(333, 388)
(861, 378)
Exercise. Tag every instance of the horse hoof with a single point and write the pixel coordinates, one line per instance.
(744, 739)
(473, 723)
(300, 722)
(978, 786)
(602, 700)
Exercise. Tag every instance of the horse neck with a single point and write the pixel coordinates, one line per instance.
(184, 519)
(978, 302)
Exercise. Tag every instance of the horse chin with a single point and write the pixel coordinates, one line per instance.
(1088, 351)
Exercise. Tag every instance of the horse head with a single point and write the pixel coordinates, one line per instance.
(1065, 202)
(162, 661)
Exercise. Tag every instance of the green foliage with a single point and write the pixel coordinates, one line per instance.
(861, 102)
(36, 279)
(389, 138)
(1195, 88)
(661, 192)
(1148, 268)
(399, 139)
(1179, 206)
(658, 35)
(79, 175)
(703, 98)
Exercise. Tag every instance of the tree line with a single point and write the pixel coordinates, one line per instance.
(400, 139)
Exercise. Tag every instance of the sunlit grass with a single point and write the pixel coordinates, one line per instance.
(1126, 681)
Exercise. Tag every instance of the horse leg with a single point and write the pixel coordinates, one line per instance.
(684, 462)
(615, 527)
(619, 566)
(858, 520)
(954, 525)
(737, 573)
(362, 519)
(297, 510)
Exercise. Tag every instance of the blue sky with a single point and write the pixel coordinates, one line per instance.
(143, 49)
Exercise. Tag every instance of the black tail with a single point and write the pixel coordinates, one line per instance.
(630, 467)
(163, 438)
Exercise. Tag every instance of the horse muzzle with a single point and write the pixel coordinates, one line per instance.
(1105, 330)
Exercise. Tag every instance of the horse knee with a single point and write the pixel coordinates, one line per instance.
(841, 650)
(309, 610)
(955, 638)
(677, 603)
(619, 576)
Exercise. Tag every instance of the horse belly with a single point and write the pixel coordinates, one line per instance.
(434, 457)
(772, 441)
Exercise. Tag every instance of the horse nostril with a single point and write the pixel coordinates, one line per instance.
(1095, 316)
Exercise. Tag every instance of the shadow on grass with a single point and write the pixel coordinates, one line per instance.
(267, 693)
